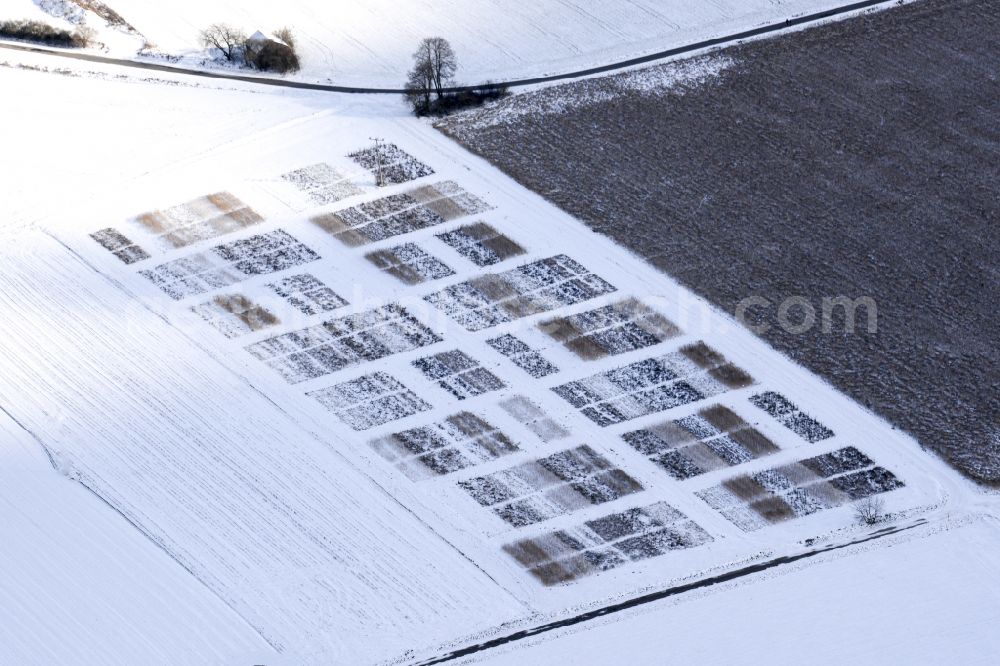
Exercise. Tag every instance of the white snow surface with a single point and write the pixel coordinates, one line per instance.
(922, 601)
(71, 16)
(561, 98)
(82, 585)
(256, 519)
(370, 42)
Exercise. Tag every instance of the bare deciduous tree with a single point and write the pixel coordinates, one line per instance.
(419, 84)
(436, 61)
(285, 35)
(226, 38)
(434, 67)
(870, 510)
(84, 35)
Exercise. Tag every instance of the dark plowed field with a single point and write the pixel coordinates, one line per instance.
(860, 158)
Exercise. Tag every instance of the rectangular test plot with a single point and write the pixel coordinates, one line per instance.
(481, 244)
(523, 356)
(537, 287)
(753, 501)
(230, 263)
(607, 542)
(613, 329)
(714, 438)
(397, 214)
(459, 374)
(391, 162)
(458, 442)
(370, 400)
(790, 416)
(234, 315)
(693, 373)
(410, 264)
(551, 486)
(119, 245)
(531, 416)
(342, 343)
(307, 294)
(321, 183)
(200, 219)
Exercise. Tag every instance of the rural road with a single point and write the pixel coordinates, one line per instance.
(283, 83)
(660, 594)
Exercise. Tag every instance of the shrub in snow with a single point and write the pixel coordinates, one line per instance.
(870, 510)
(270, 55)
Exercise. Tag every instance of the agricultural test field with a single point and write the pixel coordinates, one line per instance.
(537, 396)
(374, 423)
(856, 159)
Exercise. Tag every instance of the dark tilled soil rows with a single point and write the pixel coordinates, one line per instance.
(860, 158)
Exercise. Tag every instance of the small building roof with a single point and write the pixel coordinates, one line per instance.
(260, 36)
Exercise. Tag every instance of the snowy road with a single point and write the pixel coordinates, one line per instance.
(767, 29)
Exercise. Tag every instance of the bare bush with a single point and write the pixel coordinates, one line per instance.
(285, 35)
(423, 105)
(84, 36)
(870, 510)
(228, 40)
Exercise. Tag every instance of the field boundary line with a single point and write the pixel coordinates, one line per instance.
(660, 594)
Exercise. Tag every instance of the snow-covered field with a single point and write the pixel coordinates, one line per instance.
(366, 420)
(82, 585)
(922, 601)
(369, 43)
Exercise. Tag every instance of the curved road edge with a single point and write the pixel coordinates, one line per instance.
(766, 29)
